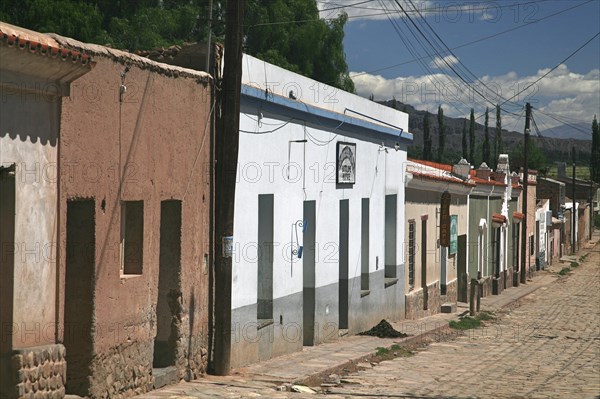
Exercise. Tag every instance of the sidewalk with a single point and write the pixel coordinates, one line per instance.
(327, 358)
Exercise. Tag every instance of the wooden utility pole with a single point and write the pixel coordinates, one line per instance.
(524, 237)
(227, 144)
(573, 217)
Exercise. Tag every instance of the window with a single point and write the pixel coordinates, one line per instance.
(132, 237)
(531, 245)
(265, 257)
(411, 253)
(364, 244)
(391, 202)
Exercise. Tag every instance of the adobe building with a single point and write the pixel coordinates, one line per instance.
(35, 73)
(134, 218)
(435, 274)
(114, 300)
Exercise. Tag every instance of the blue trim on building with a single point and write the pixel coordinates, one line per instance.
(323, 117)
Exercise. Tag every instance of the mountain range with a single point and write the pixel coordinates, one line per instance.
(555, 143)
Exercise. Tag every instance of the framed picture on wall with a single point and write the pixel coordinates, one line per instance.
(346, 163)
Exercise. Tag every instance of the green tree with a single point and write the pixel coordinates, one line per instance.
(465, 145)
(472, 138)
(305, 44)
(426, 138)
(77, 19)
(486, 139)
(595, 157)
(441, 133)
(498, 146)
(288, 33)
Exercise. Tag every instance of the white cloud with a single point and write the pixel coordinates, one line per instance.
(563, 92)
(371, 10)
(443, 62)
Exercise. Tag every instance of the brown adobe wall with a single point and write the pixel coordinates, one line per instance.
(156, 142)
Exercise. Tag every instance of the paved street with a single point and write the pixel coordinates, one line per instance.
(548, 347)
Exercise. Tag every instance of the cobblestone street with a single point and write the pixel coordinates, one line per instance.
(547, 345)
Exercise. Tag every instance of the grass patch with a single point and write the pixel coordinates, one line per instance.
(465, 323)
(485, 315)
(468, 322)
(574, 264)
(393, 352)
(564, 271)
(382, 351)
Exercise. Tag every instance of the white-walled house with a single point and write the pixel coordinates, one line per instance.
(319, 214)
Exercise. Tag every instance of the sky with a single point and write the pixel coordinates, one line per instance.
(431, 60)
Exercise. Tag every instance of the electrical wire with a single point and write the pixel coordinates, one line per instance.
(557, 65)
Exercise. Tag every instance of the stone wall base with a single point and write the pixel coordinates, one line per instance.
(126, 369)
(486, 286)
(37, 372)
(452, 291)
(414, 302)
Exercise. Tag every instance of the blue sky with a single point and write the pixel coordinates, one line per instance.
(507, 63)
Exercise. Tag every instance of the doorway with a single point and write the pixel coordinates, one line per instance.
(461, 265)
(424, 261)
(308, 274)
(343, 265)
(7, 271)
(79, 293)
(169, 282)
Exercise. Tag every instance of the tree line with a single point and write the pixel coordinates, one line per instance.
(287, 33)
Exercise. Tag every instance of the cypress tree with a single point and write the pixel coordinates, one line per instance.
(465, 145)
(441, 134)
(426, 138)
(472, 138)
(595, 158)
(486, 139)
(498, 146)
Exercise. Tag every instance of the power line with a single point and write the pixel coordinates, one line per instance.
(432, 10)
(477, 40)
(558, 119)
(556, 66)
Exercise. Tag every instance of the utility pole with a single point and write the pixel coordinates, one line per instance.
(524, 239)
(227, 144)
(573, 217)
(209, 38)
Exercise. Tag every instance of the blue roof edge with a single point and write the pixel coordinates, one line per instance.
(320, 116)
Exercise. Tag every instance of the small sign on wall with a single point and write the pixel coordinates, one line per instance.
(453, 234)
(445, 220)
(346, 163)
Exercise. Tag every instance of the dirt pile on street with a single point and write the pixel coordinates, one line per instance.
(384, 330)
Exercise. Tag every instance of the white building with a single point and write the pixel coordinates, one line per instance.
(319, 214)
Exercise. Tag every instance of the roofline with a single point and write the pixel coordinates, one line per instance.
(321, 116)
(126, 58)
(41, 44)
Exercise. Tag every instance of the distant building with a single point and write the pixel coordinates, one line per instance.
(436, 273)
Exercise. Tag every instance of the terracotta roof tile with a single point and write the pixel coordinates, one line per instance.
(498, 218)
(442, 166)
(442, 178)
(38, 43)
(487, 182)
